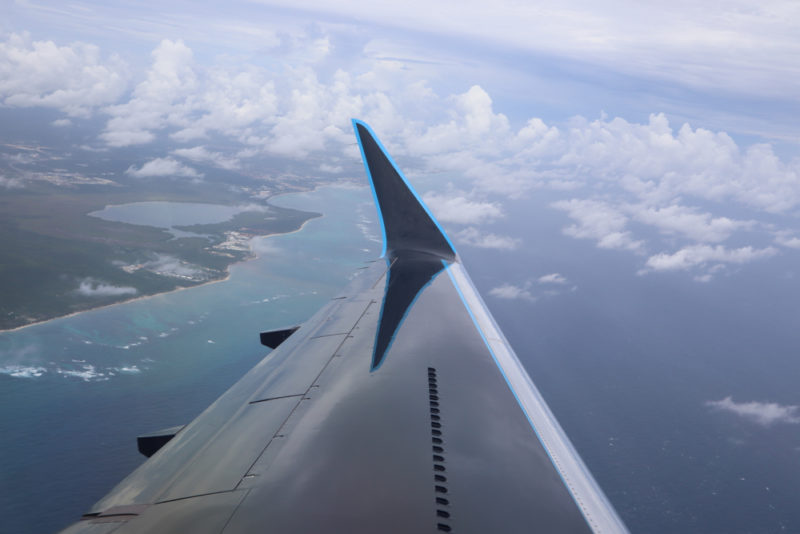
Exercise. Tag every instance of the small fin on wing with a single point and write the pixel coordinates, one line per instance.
(273, 338)
(149, 444)
(407, 224)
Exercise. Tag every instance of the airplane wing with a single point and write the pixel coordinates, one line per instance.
(398, 407)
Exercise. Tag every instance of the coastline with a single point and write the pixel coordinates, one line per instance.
(127, 301)
(227, 276)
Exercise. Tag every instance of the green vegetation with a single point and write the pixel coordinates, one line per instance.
(51, 247)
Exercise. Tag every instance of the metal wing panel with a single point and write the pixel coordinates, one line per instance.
(432, 438)
(214, 451)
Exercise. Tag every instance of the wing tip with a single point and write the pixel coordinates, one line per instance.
(361, 129)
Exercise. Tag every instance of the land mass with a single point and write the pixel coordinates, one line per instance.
(56, 259)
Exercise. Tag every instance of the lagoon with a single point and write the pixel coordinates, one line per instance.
(164, 214)
(168, 215)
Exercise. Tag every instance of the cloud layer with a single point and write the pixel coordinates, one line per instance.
(664, 193)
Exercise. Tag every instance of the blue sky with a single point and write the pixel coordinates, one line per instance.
(663, 132)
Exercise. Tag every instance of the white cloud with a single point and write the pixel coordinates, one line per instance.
(554, 285)
(696, 255)
(553, 278)
(658, 166)
(73, 79)
(201, 154)
(621, 174)
(163, 167)
(786, 239)
(330, 169)
(599, 221)
(61, 123)
(156, 100)
(458, 209)
(763, 413)
(512, 292)
(475, 238)
(10, 183)
(227, 101)
(313, 114)
(473, 124)
(676, 219)
(167, 265)
(93, 288)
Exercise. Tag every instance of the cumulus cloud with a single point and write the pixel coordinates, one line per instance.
(459, 209)
(331, 169)
(786, 239)
(686, 221)
(511, 292)
(73, 79)
(94, 288)
(651, 165)
(227, 101)
(167, 265)
(202, 155)
(599, 221)
(163, 167)
(763, 413)
(170, 79)
(658, 165)
(553, 278)
(695, 255)
(473, 123)
(476, 238)
(9, 183)
(622, 175)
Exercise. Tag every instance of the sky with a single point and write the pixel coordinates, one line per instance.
(663, 133)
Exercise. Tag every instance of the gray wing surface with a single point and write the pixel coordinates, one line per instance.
(398, 407)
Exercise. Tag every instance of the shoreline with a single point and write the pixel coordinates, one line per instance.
(175, 290)
(121, 302)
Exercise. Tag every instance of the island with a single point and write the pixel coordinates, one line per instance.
(59, 258)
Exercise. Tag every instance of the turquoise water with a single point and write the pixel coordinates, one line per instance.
(75, 392)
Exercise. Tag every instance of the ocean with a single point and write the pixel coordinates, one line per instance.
(76, 391)
(632, 365)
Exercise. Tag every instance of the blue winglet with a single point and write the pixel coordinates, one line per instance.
(406, 222)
